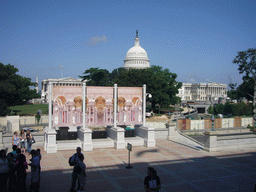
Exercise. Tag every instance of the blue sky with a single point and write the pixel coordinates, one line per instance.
(195, 39)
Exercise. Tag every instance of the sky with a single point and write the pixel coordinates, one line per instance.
(197, 40)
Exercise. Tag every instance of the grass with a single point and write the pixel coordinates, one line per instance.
(29, 109)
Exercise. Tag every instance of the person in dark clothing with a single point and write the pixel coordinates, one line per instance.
(12, 176)
(20, 166)
(152, 181)
(74, 159)
(3, 170)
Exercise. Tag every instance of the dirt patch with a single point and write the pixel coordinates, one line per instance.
(158, 118)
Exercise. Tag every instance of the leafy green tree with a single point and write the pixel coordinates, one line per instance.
(242, 109)
(228, 108)
(211, 110)
(97, 77)
(247, 65)
(14, 89)
(246, 89)
(219, 109)
(232, 93)
(3, 108)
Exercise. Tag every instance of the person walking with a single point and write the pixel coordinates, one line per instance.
(3, 170)
(73, 161)
(15, 139)
(152, 181)
(29, 141)
(22, 141)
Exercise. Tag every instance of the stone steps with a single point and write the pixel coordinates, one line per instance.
(135, 141)
(103, 143)
(68, 144)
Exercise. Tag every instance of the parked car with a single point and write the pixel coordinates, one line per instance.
(149, 113)
(29, 128)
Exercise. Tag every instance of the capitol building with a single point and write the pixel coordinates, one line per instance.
(136, 57)
(207, 92)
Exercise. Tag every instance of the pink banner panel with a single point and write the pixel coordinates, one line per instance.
(99, 106)
(67, 106)
(129, 105)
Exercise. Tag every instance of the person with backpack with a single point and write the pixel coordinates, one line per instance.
(73, 161)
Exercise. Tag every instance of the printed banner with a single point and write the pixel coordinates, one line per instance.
(67, 106)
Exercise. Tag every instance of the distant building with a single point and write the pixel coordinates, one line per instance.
(60, 82)
(136, 57)
(208, 92)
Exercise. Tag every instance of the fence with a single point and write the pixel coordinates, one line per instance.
(188, 124)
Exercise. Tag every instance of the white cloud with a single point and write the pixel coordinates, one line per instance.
(96, 40)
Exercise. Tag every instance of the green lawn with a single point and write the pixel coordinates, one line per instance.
(30, 109)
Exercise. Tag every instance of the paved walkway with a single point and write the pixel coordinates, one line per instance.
(180, 168)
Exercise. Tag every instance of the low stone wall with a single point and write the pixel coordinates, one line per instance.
(216, 141)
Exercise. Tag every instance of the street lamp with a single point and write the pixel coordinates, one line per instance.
(144, 104)
(149, 95)
(212, 119)
(254, 118)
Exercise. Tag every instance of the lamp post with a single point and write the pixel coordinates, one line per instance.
(212, 119)
(254, 118)
(144, 104)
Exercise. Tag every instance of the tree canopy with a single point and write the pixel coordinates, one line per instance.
(14, 89)
(246, 60)
(161, 83)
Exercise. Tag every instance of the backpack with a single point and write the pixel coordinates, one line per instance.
(71, 163)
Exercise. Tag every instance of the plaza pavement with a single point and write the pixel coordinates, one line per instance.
(179, 167)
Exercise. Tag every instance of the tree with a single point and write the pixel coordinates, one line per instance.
(228, 108)
(97, 77)
(246, 89)
(14, 89)
(232, 93)
(247, 64)
(211, 110)
(219, 109)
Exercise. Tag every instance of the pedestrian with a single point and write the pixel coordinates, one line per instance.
(3, 170)
(34, 171)
(22, 141)
(38, 152)
(14, 151)
(29, 141)
(15, 139)
(73, 161)
(20, 166)
(11, 173)
(152, 181)
(81, 174)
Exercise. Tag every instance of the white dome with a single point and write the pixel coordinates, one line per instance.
(136, 57)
